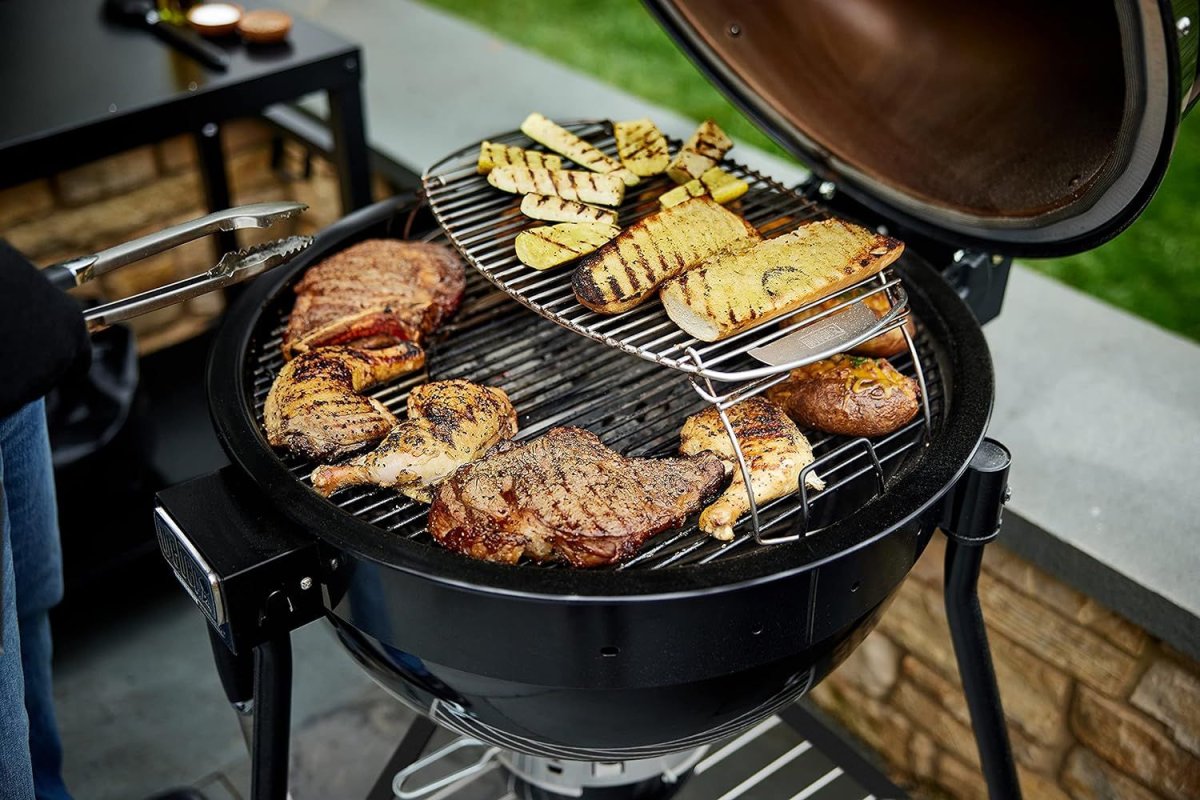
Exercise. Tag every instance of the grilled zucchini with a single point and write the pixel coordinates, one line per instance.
(561, 140)
(700, 153)
(642, 147)
(569, 184)
(730, 293)
(492, 155)
(723, 187)
(555, 209)
(680, 193)
(627, 270)
(551, 245)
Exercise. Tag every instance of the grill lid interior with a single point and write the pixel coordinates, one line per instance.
(1016, 127)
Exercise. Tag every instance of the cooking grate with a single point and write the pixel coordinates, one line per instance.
(483, 223)
(555, 377)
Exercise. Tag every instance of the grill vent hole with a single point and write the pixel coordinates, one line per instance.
(854, 587)
(757, 629)
(610, 651)
(554, 768)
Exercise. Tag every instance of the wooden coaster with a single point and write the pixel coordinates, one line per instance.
(264, 26)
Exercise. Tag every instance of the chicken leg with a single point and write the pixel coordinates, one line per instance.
(450, 423)
(774, 448)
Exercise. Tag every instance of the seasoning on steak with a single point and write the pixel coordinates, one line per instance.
(374, 294)
(565, 495)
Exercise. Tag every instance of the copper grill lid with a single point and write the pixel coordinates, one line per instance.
(1014, 126)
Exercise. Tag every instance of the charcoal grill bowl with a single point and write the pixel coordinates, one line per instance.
(590, 664)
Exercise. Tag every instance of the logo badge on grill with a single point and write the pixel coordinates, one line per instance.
(193, 572)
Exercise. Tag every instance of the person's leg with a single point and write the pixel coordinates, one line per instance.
(16, 771)
(37, 566)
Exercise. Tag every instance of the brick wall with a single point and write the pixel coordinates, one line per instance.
(1096, 708)
(142, 190)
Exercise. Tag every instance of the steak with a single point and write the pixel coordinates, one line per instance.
(565, 495)
(375, 294)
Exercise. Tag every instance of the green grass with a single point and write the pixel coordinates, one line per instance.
(1152, 269)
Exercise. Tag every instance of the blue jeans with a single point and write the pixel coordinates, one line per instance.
(31, 583)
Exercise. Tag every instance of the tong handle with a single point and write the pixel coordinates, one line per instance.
(76, 271)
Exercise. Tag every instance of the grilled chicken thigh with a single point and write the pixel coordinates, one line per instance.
(565, 495)
(375, 294)
(774, 448)
(314, 408)
(450, 423)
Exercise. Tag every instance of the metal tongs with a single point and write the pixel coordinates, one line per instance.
(234, 267)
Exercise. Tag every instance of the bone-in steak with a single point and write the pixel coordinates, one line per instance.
(565, 495)
(375, 294)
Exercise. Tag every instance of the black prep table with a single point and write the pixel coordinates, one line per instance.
(75, 87)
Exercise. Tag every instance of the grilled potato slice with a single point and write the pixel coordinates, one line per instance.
(627, 270)
(723, 187)
(569, 184)
(555, 209)
(681, 193)
(848, 395)
(700, 153)
(551, 245)
(642, 147)
(729, 294)
(492, 155)
(560, 140)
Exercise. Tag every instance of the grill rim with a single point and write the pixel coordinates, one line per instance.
(957, 339)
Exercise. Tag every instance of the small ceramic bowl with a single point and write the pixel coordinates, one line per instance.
(214, 19)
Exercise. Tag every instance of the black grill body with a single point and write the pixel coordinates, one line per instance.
(586, 664)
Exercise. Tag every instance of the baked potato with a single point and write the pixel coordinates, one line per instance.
(885, 345)
(848, 395)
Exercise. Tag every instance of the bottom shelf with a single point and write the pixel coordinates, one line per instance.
(791, 756)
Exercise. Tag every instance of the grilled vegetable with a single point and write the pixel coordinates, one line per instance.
(848, 395)
(627, 270)
(561, 140)
(551, 245)
(681, 193)
(642, 147)
(555, 209)
(729, 294)
(492, 155)
(723, 187)
(569, 184)
(700, 153)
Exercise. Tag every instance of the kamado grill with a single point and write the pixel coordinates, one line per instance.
(1027, 138)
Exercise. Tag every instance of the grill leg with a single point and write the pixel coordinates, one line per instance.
(272, 719)
(972, 519)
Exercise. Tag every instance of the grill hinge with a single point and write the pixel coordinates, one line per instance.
(238, 559)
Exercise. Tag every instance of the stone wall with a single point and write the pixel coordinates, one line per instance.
(1096, 708)
(142, 190)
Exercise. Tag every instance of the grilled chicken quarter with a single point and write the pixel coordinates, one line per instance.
(449, 423)
(774, 449)
(314, 408)
(566, 496)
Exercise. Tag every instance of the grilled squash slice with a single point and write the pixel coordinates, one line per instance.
(569, 184)
(700, 153)
(681, 193)
(555, 209)
(642, 147)
(728, 294)
(628, 269)
(492, 155)
(723, 187)
(551, 245)
(561, 140)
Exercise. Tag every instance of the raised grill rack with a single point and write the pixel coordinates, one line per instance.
(483, 224)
